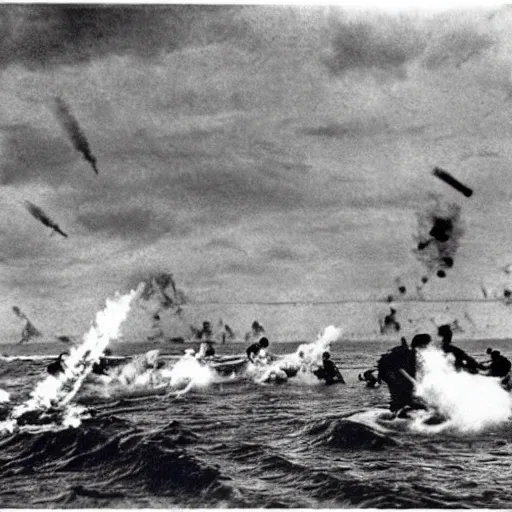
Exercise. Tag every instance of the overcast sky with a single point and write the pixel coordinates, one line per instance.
(257, 153)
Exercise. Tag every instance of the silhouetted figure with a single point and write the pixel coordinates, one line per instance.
(255, 348)
(206, 350)
(57, 367)
(368, 376)
(101, 366)
(229, 332)
(329, 371)
(499, 366)
(397, 367)
(206, 332)
(462, 360)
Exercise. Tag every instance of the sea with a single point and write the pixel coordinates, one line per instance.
(247, 445)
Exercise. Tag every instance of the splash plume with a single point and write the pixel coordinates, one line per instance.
(306, 359)
(313, 351)
(72, 128)
(471, 403)
(41, 216)
(189, 373)
(58, 392)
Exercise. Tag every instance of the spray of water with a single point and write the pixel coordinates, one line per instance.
(59, 391)
(4, 396)
(189, 373)
(471, 403)
(306, 359)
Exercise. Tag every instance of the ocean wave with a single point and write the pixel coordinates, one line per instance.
(343, 433)
(157, 461)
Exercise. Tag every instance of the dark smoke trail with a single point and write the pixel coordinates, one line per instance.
(389, 323)
(448, 178)
(36, 212)
(72, 128)
(29, 330)
(17, 311)
(156, 286)
(438, 238)
(256, 330)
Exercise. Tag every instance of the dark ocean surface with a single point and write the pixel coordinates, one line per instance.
(248, 445)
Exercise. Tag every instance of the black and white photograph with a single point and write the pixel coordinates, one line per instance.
(256, 256)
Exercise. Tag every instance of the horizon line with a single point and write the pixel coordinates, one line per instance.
(341, 301)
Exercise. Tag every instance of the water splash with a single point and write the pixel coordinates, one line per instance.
(306, 359)
(59, 391)
(189, 373)
(471, 403)
(4, 396)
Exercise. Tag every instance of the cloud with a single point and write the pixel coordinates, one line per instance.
(52, 35)
(280, 253)
(49, 35)
(385, 43)
(223, 244)
(124, 222)
(31, 154)
(391, 43)
(342, 130)
(456, 47)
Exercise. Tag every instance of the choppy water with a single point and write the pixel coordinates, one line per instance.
(247, 445)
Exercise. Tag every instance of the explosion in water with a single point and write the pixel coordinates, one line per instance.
(59, 391)
(439, 233)
(188, 373)
(306, 359)
(471, 403)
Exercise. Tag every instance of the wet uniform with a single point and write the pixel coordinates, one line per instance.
(210, 351)
(369, 378)
(500, 366)
(462, 360)
(253, 351)
(55, 368)
(400, 387)
(329, 372)
(100, 368)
